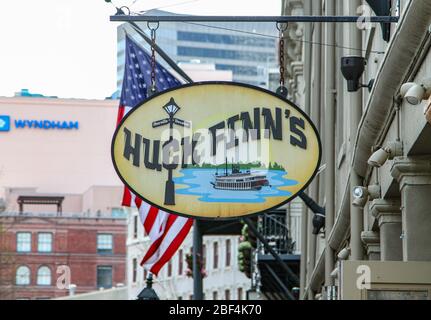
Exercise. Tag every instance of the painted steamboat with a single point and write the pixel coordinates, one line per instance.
(239, 181)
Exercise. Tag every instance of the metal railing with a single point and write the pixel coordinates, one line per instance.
(273, 227)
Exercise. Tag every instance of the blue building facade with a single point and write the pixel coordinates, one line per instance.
(249, 50)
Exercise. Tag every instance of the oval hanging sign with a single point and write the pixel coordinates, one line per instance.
(216, 150)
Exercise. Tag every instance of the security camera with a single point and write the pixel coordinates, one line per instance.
(392, 150)
(352, 68)
(318, 223)
(414, 93)
(362, 194)
(344, 254)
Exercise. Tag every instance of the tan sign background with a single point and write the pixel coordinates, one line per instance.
(205, 105)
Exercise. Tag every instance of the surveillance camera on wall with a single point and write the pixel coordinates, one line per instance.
(344, 254)
(352, 68)
(362, 194)
(390, 151)
(414, 93)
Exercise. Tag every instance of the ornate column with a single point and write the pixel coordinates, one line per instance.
(371, 241)
(388, 215)
(414, 178)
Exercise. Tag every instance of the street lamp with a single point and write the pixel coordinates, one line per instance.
(148, 292)
(171, 108)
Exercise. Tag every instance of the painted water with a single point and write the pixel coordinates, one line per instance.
(198, 183)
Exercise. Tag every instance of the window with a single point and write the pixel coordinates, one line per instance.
(239, 293)
(145, 274)
(43, 276)
(204, 256)
(23, 242)
(180, 298)
(225, 39)
(215, 255)
(170, 268)
(222, 54)
(135, 269)
(104, 277)
(227, 294)
(44, 242)
(228, 252)
(215, 295)
(180, 262)
(135, 227)
(104, 243)
(22, 277)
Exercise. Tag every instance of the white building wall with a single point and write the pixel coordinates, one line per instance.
(179, 286)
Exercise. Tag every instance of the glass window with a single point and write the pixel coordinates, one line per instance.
(228, 252)
(135, 227)
(44, 276)
(225, 39)
(44, 242)
(22, 277)
(104, 277)
(135, 270)
(23, 242)
(170, 268)
(239, 293)
(180, 262)
(227, 294)
(215, 255)
(222, 54)
(204, 256)
(104, 243)
(215, 295)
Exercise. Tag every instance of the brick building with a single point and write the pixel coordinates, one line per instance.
(59, 198)
(39, 250)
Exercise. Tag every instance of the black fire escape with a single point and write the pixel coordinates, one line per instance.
(275, 282)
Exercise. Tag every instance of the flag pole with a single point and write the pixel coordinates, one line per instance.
(197, 253)
(162, 54)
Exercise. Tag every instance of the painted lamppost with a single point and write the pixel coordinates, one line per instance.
(171, 109)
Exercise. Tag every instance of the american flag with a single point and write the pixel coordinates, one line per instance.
(166, 231)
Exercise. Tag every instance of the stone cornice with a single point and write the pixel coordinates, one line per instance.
(412, 170)
(379, 206)
(370, 237)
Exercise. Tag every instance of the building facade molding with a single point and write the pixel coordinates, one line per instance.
(386, 211)
(412, 170)
(371, 240)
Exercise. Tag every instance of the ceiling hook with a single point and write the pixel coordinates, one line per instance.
(281, 26)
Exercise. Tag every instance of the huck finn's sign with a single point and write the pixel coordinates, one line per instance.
(216, 150)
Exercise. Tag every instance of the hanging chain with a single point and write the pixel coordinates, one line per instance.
(153, 30)
(281, 58)
(281, 27)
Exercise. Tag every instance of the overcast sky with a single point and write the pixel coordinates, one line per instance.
(67, 48)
